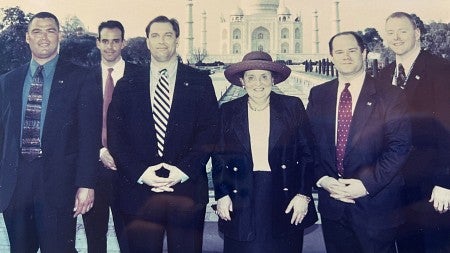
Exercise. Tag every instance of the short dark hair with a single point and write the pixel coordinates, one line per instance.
(111, 24)
(44, 15)
(358, 39)
(400, 14)
(164, 19)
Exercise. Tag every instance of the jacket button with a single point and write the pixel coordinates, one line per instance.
(226, 166)
(235, 169)
(283, 166)
(285, 189)
(234, 191)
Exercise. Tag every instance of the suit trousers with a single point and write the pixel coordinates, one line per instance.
(341, 236)
(96, 220)
(177, 217)
(31, 221)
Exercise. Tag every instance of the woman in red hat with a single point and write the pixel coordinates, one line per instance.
(262, 167)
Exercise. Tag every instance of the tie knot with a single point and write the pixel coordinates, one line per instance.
(163, 72)
(347, 85)
(401, 68)
(39, 70)
(110, 70)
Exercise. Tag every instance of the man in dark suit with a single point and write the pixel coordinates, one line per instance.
(49, 129)
(425, 79)
(161, 129)
(110, 42)
(362, 139)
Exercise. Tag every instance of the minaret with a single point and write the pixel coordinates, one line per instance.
(315, 39)
(204, 31)
(190, 35)
(336, 23)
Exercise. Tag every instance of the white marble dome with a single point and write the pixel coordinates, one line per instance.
(260, 6)
(237, 12)
(283, 10)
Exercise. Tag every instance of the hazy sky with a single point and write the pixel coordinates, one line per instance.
(135, 14)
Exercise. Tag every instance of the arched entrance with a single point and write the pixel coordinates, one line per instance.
(261, 39)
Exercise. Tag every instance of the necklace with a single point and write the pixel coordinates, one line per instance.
(256, 109)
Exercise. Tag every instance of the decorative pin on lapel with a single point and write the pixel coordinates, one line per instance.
(417, 77)
(186, 84)
(61, 82)
(369, 103)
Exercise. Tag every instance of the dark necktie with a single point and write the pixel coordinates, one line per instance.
(161, 109)
(343, 127)
(31, 131)
(401, 76)
(109, 88)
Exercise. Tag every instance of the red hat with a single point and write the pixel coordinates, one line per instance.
(257, 60)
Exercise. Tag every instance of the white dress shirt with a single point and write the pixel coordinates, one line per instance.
(407, 62)
(259, 128)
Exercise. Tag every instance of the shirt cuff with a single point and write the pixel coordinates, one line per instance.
(184, 177)
(318, 183)
(101, 152)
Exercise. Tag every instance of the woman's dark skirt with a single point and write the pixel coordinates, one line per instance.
(262, 211)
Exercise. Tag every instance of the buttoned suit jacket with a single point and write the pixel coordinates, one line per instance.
(377, 147)
(190, 135)
(428, 95)
(290, 158)
(69, 138)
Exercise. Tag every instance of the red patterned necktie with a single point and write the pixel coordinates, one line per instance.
(109, 88)
(343, 127)
(31, 131)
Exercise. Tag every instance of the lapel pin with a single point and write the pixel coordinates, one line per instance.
(186, 84)
(417, 77)
(60, 81)
(369, 103)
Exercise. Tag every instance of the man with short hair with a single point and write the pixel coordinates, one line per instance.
(162, 124)
(48, 151)
(425, 80)
(362, 139)
(112, 67)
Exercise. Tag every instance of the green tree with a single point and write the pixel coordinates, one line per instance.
(136, 51)
(14, 50)
(71, 26)
(80, 50)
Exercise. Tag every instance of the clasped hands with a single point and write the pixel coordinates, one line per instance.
(440, 197)
(345, 190)
(162, 184)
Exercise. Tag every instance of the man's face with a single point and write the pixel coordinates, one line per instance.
(110, 44)
(162, 42)
(43, 38)
(401, 36)
(347, 56)
(257, 83)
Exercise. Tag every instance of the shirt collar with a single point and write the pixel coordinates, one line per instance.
(48, 66)
(117, 66)
(170, 65)
(358, 80)
(408, 60)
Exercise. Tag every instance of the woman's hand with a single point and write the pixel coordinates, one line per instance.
(299, 204)
(224, 207)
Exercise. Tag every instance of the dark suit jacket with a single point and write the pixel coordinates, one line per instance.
(428, 94)
(377, 147)
(290, 159)
(130, 70)
(69, 136)
(190, 135)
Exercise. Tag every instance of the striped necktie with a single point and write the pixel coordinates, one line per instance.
(401, 76)
(31, 131)
(161, 109)
(343, 127)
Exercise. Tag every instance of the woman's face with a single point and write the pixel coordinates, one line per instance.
(257, 83)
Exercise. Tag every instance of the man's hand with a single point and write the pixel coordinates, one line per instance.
(335, 188)
(175, 177)
(151, 179)
(107, 159)
(354, 188)
(224, 207)
(440, 197)
(299, 205)
(84, 201)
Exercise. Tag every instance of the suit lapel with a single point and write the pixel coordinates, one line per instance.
(239, 124)
(329, 105)
(276, 122)
(363, 110)
(16, 100)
